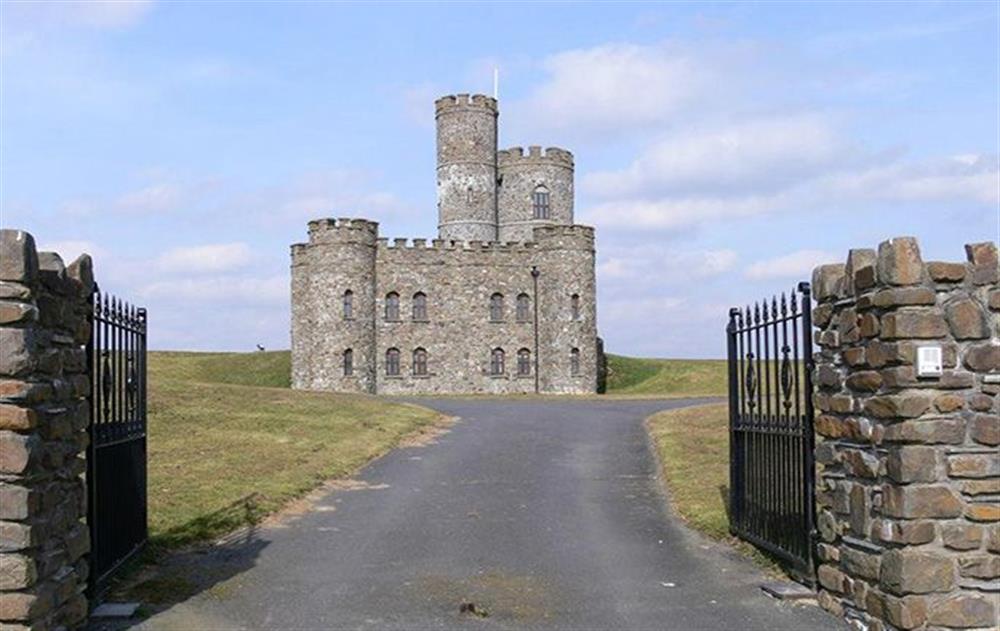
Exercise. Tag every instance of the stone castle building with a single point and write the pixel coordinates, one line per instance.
(503, 301)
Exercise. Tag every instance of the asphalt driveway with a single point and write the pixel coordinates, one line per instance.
(541, 513)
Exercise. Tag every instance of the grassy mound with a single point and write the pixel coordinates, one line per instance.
(687, 377)
(229, 442)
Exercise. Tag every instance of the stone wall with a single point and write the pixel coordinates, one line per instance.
(44, 415)
(908, 467)
(520, 174)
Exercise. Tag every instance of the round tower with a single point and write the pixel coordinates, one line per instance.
(467, 167)
(536, 189)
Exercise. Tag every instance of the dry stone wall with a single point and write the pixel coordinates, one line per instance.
(44, 416)
(908, 465)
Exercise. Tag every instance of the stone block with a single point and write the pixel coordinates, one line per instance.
(983, 259)
(24, 391)
(914, 502)
(15, 535)
(17, 571)
(865, 381)
(831, 578)
(827, 281)
(16, 349)
(18, 452)
(9, 290)
(860, 510)
(910, 571)
(909, 404)
(899, 262)
(980, 487)
(830, 426)
(993, 538)
(961, 535)
(983, 512)
(26, 606)
(942, 272)
(82, 271)
(868, 325)
(949, 403)
(860, 463)
(52, 272)
(17, 418)
(18, 502)
(854, 356)
(821, 315)
(985, 429)
(903, 296)
(914, 323)
(827, 376)
(908, 612)
(964, 610)
(948, 431)
(981, 402)
(967, 319)
(912, 464)
(981, 566)
(17, 313)
(860, 564)
(993, 301)
(18, 257)
(973, 465)
(857, 260)
(905, 532)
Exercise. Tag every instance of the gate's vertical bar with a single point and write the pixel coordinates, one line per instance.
(733, 415)
(144, 422)
(808, 435)
(93, 344)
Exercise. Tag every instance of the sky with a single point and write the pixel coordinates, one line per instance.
(722, 149)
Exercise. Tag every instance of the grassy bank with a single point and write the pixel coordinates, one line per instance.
(229, 442)
(679, 377)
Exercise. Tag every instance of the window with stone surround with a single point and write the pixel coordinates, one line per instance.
(523, 308)
(348, 305)
(540, 202)
(420, 306)
(392, 362)
(496, 307)
(419, 362)
(523, 362)
(574, 305)
(348, 363)
(574, 362)
(496, 361)
(392, 306)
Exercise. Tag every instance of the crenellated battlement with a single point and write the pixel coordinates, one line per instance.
(418, 245)
(342, 229)
(454, 102)
(514, 156)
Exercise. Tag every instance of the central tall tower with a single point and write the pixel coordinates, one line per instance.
(467, 167)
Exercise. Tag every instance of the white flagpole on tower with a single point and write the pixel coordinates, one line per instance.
(496, 82)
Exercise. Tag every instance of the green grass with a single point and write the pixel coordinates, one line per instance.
(229, 442)
(676, 377)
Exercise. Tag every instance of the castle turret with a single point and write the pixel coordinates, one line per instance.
(467, 167)
(536, 189)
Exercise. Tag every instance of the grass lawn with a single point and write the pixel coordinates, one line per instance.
(229, 441)
(676, 377)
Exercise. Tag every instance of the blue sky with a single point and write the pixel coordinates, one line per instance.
(722, 150)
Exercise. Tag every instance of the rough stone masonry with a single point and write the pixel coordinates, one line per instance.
(908, 466)
(462, 313)
(44, 416)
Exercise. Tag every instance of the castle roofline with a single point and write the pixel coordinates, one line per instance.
(535, 155)
(453, 102)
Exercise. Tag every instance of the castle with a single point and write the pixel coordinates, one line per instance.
(502, 302)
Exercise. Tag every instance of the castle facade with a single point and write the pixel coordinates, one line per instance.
(503, 301)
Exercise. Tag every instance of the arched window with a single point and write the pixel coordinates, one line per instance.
(468, 195)
(574, 306)
(523, 362)
(392, 362)
(419, 362)
(420, 306)
(496, 307)
(348, 363)
(574, 362)
(540, 202)
(523, 308)
(496, 361)
(348, 305)
(392, 306)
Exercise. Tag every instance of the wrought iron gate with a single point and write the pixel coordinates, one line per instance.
(771, 462)
(116, 457)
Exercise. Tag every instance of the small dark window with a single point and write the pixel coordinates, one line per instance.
(523, 308)
(496, 307)
(540, 202)
(468, 195)
(574, 362)
(419, 362)
(392, 362)
(574, 305)
(348, 305)
(496, 361)
(523, 362)
(419, 306)
(348, 363)
(392, 306)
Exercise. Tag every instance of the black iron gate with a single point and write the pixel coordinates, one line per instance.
(772, 471)
(116, 458)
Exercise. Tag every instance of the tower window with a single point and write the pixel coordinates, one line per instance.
(392, 306)
(348, 363)
(574, 305)
(468, 195)
(392, 362)
(496, 307)
(574, 362)
(348, 305)
(523, 362)
(523, 308)
(419, 362)
(496, 361)
(420, 306)
(540, 202)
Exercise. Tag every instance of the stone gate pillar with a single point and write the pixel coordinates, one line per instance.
(44, 414)
(908, 467)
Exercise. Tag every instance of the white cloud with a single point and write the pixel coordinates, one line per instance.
(95, 14)
(657, 264)
(798, 264)
(216, 257)
(227, 290)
